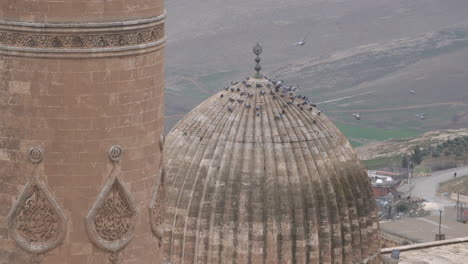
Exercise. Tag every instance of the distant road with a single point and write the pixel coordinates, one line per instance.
(337, 99)
(397, 108)
(426, 187)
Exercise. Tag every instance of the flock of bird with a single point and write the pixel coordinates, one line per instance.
(277, 89)
(357, 116)
(283, 90)
(421, 116)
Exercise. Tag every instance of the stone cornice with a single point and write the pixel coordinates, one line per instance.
(81, 39)
(418, 246)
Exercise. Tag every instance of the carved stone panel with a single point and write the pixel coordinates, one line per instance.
(36, 221)
(111, 221)
(81, 41)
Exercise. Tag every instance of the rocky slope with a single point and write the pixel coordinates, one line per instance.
(394, 147)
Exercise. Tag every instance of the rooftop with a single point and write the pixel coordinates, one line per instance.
(424, 229)
(451, 251)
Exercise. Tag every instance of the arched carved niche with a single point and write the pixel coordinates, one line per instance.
(36, 221)
(112, 219)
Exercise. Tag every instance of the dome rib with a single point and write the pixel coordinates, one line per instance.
(217, 256)
(299, 214)
(358, 240)
(217, 131)
(325, 216)
(335, 184)
(194, 145)
(336, 196)
(274, 184)
(212, 169)
(227, 234)
(271, 227)
(306, 171)
(326, 245)
(197, 171)
(286, 206)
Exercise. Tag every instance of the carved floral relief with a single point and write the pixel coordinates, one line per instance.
(81, 40)
(36, 221)
(112, 219)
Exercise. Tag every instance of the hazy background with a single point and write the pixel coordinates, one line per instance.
(361, 56)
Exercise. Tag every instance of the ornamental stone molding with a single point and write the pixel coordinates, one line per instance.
(112, 219)
(81, 39)
(115, 153)
(36, 221)
(156, 208)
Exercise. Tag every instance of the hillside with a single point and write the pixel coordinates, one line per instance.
(361, 56)
(395, 147)
(459, 184)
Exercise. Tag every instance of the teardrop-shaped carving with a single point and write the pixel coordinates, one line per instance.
(156, 206)
(111, 221)
(36, 221)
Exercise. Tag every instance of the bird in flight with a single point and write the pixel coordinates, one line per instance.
(421, 116)
(302, 42)
(412, 92)
(357, 116)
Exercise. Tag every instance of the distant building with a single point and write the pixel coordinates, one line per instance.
(422, 229)
(394, 175)
(395, 172)
(383, 184)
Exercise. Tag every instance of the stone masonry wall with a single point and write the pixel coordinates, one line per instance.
(75, 110)
(78, 10)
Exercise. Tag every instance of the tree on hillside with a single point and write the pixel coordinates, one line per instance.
(416, 156)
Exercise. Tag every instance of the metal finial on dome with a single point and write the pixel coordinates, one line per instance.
(257, 50)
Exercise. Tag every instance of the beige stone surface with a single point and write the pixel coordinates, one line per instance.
(451, 251)
(450, 254)
(79, 10)
(245, 185)
(70, 114)
(19, 87)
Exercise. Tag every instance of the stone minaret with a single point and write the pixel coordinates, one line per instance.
(81, 98)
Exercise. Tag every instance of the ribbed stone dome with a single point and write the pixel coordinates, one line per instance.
(256, 174)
